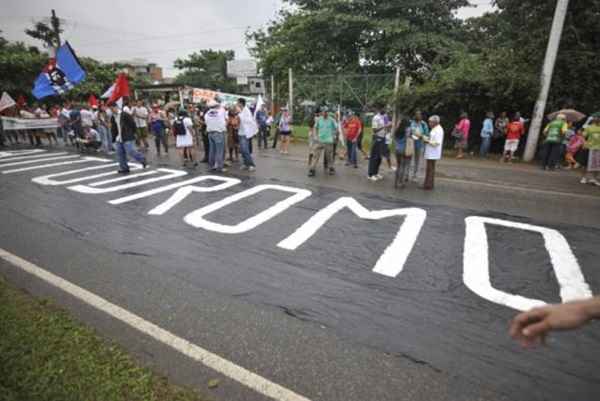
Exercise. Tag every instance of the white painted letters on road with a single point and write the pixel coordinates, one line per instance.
(476, 274)
(76, 160)
(394, 257)
(196, 218)
(91, 188)
(51, 181)
(184, 191)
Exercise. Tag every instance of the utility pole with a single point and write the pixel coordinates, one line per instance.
(291, 92)
(273, 95)
(54, 21)
(396, 90)
(546, 78)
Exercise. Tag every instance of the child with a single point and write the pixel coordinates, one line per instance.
(575, 144)
(514, 131)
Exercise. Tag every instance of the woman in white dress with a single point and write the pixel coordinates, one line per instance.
(183, 127)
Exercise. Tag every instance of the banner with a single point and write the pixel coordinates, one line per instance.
(60, 75)
(14, 124)
(206, 95)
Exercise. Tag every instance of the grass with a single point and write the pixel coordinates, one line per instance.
(46, 355)
(300, 134)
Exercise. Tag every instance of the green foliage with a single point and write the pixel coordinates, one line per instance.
(45, 33)
(206, 69)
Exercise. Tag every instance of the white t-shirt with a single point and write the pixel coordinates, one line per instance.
(435, 152)
(189, 125)
(140, 115)
(379, 122)
(215, 120)
(87, 118)
(248, 126)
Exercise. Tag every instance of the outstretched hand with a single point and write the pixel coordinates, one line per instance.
(530, 328)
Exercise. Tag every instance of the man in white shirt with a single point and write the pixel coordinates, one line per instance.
(216, 125)
(248, 128)
(378, 143)
(433, 150)
(140, 116)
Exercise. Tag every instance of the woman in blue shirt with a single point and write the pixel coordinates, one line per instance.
(486, 134)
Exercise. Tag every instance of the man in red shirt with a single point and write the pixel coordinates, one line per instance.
(352, 129)
(514, 132)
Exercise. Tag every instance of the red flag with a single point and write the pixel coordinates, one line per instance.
(92, 101)
(121, 89)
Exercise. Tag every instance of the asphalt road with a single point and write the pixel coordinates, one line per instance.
(316, 320)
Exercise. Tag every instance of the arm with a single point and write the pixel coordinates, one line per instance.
(531, 327)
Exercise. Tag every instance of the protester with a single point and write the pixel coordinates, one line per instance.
(573, 147)
(263, 127)
(103, 125)
(433, 150)
(158, 127)
(312, 135)
(183, 129)
(352, 128)
(420, 130)
(405, 149)
(553, 133)
(140, 115)
(514, 132)
(91, 140)
(463, 128)
(325, 133)
(276, 121)
(285, 129)
(76, 124)
(248, 129)
(233, 140)
(531, 328)
(385, 151)
(216, 126)
(487, 132)
(123, 130)
(591, 153)
(377, 144)
(500, 125)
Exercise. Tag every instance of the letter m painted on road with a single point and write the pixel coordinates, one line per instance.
(392, 261)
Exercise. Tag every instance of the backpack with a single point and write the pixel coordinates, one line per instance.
(179, 128)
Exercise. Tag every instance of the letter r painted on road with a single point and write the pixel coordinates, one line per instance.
(395, 255)
(196, 218)
(476, 273)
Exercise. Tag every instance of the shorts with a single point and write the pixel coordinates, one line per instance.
(142, 132)
(285, 133)
(511, 145)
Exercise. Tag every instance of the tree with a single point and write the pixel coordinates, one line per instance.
(206, 69)
(46, 33)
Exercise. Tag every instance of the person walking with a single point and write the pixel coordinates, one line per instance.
(464, 128)
(248, 129)
(216, 126)
(514, 131)
(433, 150)
(377, 144)
(590, 155)
(140, 115)
(325, 133)
(183, 127)
(158, 127)
(419, 130)
(263, 127)
(123, 131)
(285, 130)
(352, 129)
(405, 148)
(103, 122)
(553, 133)
(487, 132)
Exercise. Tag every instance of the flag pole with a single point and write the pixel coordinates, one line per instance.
(55, 22)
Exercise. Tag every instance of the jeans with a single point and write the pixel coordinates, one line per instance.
(262, 137)
(106, 138)
(161, 139)
(125, 149)
(486, 142)
(245, 150)
(403, 169)
(216, 155)
(417, 157)
(352, 148)
(376, 154)
(551, 155)
(206, 144)
(322, 148)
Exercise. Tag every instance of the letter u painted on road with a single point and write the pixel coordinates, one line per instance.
(476, 273)
(92, 188)
(197, 217)
(394, 257)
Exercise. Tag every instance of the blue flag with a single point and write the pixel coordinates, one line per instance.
(60, 75)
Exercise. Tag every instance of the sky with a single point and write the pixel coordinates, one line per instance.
(157, 31)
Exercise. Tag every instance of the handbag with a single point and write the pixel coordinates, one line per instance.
(456, 133)
(409, 149)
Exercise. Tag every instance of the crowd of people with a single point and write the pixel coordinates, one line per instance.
(225, 134)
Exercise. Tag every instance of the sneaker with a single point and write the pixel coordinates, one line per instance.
(251, 168)
(244, 167)
(393, 168)
(223, 170)
(595, 182)
(379, 176)
(123, 171)
(373, 178)
(583, 181)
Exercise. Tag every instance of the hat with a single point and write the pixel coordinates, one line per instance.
(213, 103)
(561, 117)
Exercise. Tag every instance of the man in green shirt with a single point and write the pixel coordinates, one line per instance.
(326, 132)
(554, 134)
(591, 152)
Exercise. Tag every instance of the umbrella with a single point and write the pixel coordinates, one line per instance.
(572, 115)
(172, 105)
